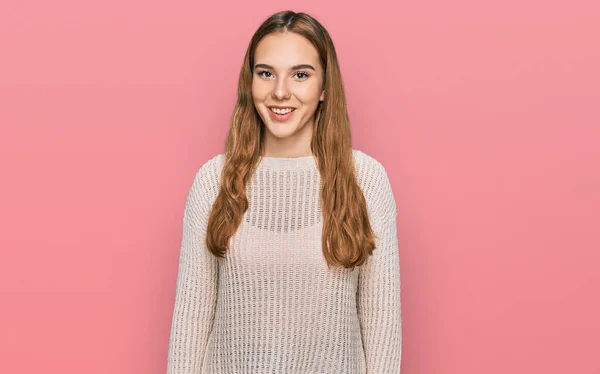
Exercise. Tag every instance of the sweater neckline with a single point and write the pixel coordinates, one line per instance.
(288, 163)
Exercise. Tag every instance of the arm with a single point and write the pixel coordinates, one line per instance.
(196, 290)
(378, 296)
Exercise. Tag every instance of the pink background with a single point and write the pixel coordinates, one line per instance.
(485, 114)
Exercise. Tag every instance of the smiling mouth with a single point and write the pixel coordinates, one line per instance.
(282, 111)
(281, 115)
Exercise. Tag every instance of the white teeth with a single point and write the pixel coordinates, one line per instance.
(281, 111)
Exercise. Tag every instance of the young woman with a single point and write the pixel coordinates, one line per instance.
(289, 259)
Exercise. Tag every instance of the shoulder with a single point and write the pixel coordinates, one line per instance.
(371, 173)
(210, 171)
(205, 186)
(373, 179)
(365, 163)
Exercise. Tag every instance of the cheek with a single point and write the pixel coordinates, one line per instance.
(309, 94)
(259, 90)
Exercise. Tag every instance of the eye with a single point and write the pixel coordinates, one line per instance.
(301, 75)
(306, 75)
(262, 72)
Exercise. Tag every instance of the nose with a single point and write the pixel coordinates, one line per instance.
(280, 91)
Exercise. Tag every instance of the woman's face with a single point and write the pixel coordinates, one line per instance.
(287, 74)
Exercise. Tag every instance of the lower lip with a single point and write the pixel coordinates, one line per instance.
(281, 117)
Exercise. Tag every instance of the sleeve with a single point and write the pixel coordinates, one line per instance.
(196, 289)
(378, 294)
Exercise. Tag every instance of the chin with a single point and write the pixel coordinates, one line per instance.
(281, 131)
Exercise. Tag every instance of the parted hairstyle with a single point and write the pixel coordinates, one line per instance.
(347, 236)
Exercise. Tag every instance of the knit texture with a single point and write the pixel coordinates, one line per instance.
(273, 306)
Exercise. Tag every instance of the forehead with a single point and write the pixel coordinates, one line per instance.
(281, 50)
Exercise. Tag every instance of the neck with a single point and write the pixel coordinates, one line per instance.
(295, 145)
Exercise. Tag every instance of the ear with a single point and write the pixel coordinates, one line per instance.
(322, 96)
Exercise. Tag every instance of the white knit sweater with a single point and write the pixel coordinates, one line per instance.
(273, 306)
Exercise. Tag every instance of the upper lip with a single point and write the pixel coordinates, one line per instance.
(281, 107)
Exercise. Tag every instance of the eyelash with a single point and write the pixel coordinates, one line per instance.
(298, 72)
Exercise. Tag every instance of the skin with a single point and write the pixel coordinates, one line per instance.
(281, 85)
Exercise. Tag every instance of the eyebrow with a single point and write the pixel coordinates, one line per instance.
(295, 67)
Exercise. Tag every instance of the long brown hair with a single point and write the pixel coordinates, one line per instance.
(347, 237)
